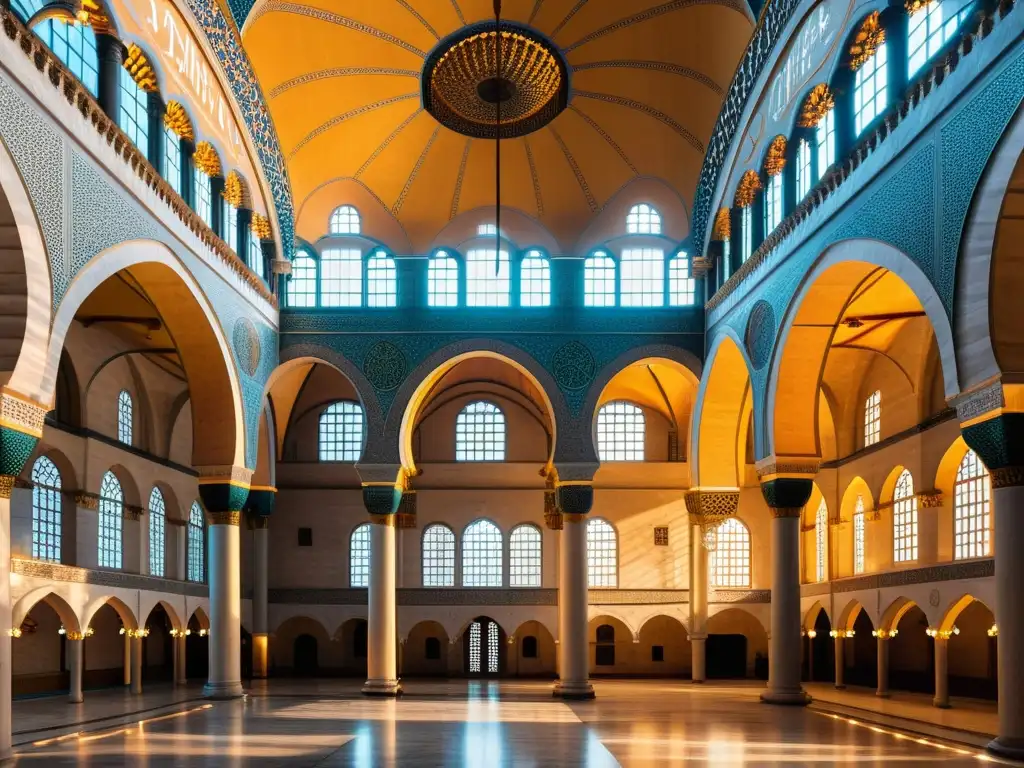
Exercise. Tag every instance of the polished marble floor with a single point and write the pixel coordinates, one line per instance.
(460, 723)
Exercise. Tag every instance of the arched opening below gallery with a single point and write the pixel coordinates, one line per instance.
(483, 648)
(819, 656)
(737, 646)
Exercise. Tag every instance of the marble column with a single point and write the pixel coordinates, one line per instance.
(180, 672)
(811, 634)
(126, 658)
(260, 635)
(74, 644)
(698, 656)
(941, 699)
(6, 485)
(882, 638)
(698, 605)
(136, 655)
(110, 52)
(839, 639)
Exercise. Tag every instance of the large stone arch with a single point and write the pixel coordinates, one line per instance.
(46, 595)
(121, 608)
(806, 333)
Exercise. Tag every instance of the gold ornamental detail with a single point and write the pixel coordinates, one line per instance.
(747, 190)
(819, 103)
(206, 159)
(225, 518)
(139, 68)
(869, 37)
(790, 512)
(1007, 477)
(913, 6)
(723, 225)
(235, 192)
(776, 159)
(711, 507)
(261, 227)
(176, 119)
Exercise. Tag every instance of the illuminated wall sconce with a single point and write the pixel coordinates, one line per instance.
(75, 635)
(942, 634)
(885, 634)
(844, 633)
(812, 633)
(14, 632)
(993, 631)
(181, 632)
(134, 633)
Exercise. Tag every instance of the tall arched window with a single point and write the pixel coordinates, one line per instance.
(202, 192)
(681, 286)
(438, 556)
(172, 160)
(904, 520)
(599, 281)
(443, 281)
(930, 27)
(229, 223)
(524, 557)
(858, 536)
(643, 277)
(870, 88)
(345, 221)
(196, 543)
(133, 117)
(481, 555)
(873, 418)
(729, 561)
(75, 45)
(46, 510)
(302, 285)
(825, 136)
(803, 169)
(256, 261)
(620, 432)
(341, 278)
(359, 557)
(746, 233)
(124, 417)
(157, 519)
(111, 516)
(487, 278)
(480, 433)
(820, 541)
(341, 432)
(643, 219)
(381, 281)
(772, 203)
(972, 508)
(602, 554)
(535, 280)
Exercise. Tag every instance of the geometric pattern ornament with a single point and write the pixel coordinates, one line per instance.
(760, 334)
(573, 366)
(246, 342)
(385, 366)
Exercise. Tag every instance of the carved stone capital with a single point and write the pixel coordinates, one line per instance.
(21, 482)
(573, 517)
(132, 512)
(87, 500)
(6, 486)
(259, 523)
(1007, 477)
(772, 467)
(930, 499)
(708, 507)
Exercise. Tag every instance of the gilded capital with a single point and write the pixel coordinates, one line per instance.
(711, 506)
(1007, 477)
(780, 512)
(225, 518)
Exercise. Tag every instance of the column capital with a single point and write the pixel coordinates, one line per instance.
(710, 506)
(260, 503)
(383, 485)
(223, 491)
(575, 471)
(21, 427)
(998, 439)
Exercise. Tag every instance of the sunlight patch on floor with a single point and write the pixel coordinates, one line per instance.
(407, 710)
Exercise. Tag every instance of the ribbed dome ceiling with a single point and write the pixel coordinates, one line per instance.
(343, 80)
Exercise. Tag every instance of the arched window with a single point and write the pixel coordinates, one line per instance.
(870, 89)
(803, 169)
(873, 418)
(524, 557)
(930, 27)
(729, 561)
(172, 160)
(599, 281)
(302, 285)
(75, 45)
(345, 221)
(46, 510)
(602, 554)
(359, 557)
(681, 287)
(820, 541)
(26, 9)
(487, 230)
(124, 417)
(443, 281)
(746, 233)
(772, 203)
(487, 278)
(157, 519)
(133, 117)
(341, 432)
(438, 556)
(341, 278)
(858, 536)
(381, 281)
(534, 280)
(904, 520)
(202, 195)
(480, 433)
(643, 277)
(229, 223)
(643, 219)
(620, 432)
(196, 543)
(972, 508)
(111, 515)
(825, 136)
(481, 555)
(256, 261)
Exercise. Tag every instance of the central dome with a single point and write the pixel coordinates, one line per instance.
(463, 88)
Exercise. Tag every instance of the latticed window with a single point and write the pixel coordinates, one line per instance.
(904, 520)
(229, 221)
(524, 557)
(172, 160)
(803, 169)
(359, 557)
(341, 432)
(599, 281)
(480, 433)
(820, 541)
(535, 280)
(602, 554)
(26, 9)
(341, 278)
(196, 543)
(772, 203)
(930, 27)
(345, 221)
(133, 117)
(870, 89)
(75, 45)
(746, 233)
(443, 281)
(487, 230)
(381, 281)
(438, 556)
(972, 509)
(643, 219)
(681, 287)
(302, 285)
(643, 277)
(111, 516)
(825, 134)
(46, 510)
(620, 432)
(729, 561)
(873, 418)
(124, 417)
(203, 195)
(157, 521)
(481, 555)
(256, 260)
(858, 536)
(487, 278)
